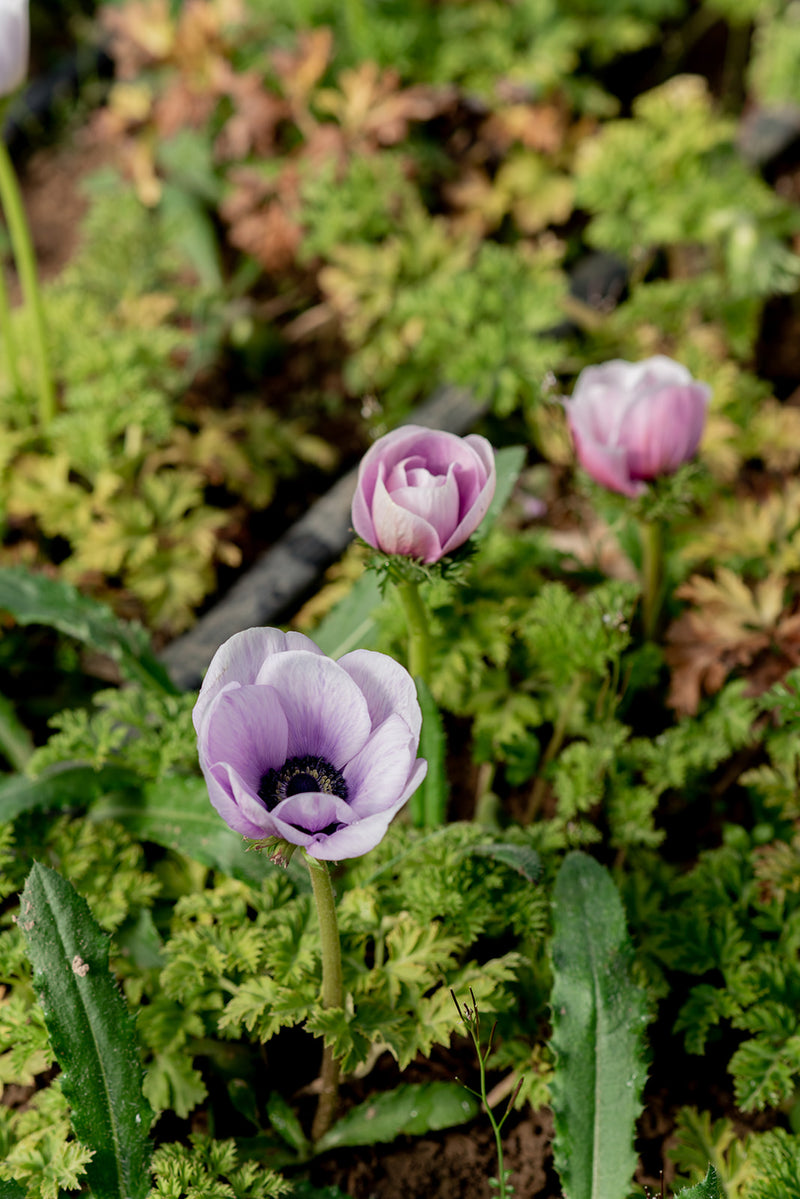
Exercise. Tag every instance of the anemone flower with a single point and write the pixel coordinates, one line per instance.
(294, 745)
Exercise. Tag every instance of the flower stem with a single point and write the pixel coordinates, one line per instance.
(7, 335)
(419, 660)
(332, 988)
(652, 575)
(21, 243)
(419, 641)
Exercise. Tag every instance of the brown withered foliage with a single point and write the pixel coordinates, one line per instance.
(260, 214)
(730, 625)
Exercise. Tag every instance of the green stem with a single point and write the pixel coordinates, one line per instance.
(652, 576)
(21, 243)
(332, 988)
(419, 660)
(7, 335)
(553, 746)
(419, 641)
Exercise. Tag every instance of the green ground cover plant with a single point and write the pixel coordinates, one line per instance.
(317, 214)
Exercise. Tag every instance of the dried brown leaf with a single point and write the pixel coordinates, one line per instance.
(730, 626)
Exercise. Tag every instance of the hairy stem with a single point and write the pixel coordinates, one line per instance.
(21, 243)
(419, 659)
(652, 576)
(332, 989)
(9, 347)
(419, 641)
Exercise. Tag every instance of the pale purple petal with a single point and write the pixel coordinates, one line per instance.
(473, 516)
(435, 498)
(663, 430)
(382, 767)
(310, 812)
(14, 39)
(247, 728)
(243, 812)
(326, 713)
(363, 835)
(361, 514)
(240, 659)
(399, 531)
(607, 466)
(386, 686)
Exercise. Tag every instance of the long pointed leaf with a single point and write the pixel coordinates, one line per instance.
(65, 785)
(91, 1032)
(36, 599)
(177, 814)
(599, 1017)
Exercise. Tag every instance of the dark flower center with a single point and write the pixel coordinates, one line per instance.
(298, 775)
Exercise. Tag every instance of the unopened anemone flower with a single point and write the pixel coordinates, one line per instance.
(422, 492)
(295, 745)
(634, 421)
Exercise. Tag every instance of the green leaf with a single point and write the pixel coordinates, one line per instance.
(410, 1110)
(508, 463)
(15, 740)
(91, 1032)
(521, 858)
(709, 1188)
(599, 1016)
(11, 1190)
(36, 599)
(431, 799)
(66, 785)
(177, 814)
(350, 624)
(283, 1119)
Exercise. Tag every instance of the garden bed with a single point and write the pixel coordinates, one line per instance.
(281, 236)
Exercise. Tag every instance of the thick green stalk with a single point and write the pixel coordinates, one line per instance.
(419, 641)
(419, 659)
(652, 576)
(332, 988)
(7, 335)
(21, 243)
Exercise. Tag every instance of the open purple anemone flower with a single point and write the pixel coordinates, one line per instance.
(634, 421)
(422, 492)
(294, 745)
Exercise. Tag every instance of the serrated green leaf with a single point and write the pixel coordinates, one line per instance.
(91, 1032)
(409, 1110)
(65, 785)
(709, 1188)
(37, 599)
(599, 1016)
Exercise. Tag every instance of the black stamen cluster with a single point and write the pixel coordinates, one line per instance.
(301, 774)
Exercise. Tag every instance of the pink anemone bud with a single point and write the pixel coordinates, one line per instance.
(633, 421)
(421, 492)
(316, 753)
(14, 35)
